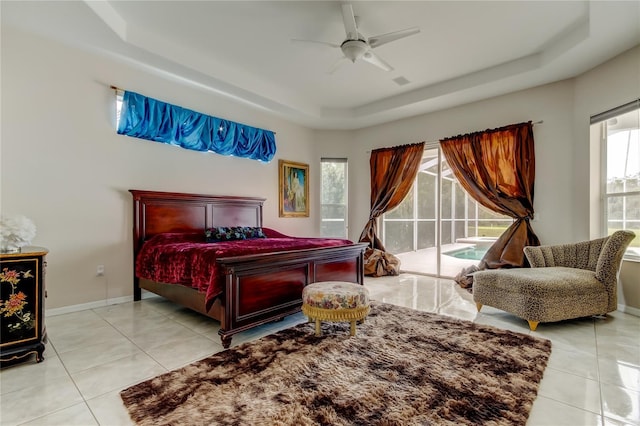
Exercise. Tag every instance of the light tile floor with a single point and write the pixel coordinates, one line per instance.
(593, 376)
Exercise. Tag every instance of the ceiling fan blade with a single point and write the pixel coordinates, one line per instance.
(336, 65)
(381, 39)
(349, 19)
(296, 40)
(376, 60)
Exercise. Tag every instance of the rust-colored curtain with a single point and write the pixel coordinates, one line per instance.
(393, 171)
(497, 168)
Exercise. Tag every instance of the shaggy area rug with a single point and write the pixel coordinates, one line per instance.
(403, 367)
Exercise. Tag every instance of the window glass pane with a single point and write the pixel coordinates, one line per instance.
(332, 229)
(333, 220)
(630, 220)
(447, 185)
(333, 211)
(428, 185)
(398, 236)
(333, 196)
(623, 152)
(119, 98)
(445, 238)
(632, 204)
(333, 183)
(404, 210)
(446, 198)
(632, 183)
(426, 196)
(426, 234)
(485, 213)
(622, 211)
(615, 185)
(471, 211)
(430, 162)
(459, 230)
(615, 209)
(492, 228)
(460, 197)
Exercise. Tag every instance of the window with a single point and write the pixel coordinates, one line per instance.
(333, 195)
(147, 118)
(619, 130)
(119, 95)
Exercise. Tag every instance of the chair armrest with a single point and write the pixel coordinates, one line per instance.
(611, 256)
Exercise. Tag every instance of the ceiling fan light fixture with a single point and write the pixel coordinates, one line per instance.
(354, 49)
(357, 46)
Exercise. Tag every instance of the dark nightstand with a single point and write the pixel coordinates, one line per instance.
(22, 295)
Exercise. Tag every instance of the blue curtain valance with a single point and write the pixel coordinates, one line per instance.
(147, 118)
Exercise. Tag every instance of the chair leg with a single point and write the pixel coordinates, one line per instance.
(533, 325)
(479, 306)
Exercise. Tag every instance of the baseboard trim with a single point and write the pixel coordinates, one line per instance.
(629, 310)
(92, 305)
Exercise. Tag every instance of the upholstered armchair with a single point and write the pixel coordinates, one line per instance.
(564, 282)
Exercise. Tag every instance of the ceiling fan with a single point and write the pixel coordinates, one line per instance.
(356, 46)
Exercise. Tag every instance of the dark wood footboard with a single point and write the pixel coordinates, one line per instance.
(265, 287)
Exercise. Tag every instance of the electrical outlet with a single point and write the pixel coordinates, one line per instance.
(100, 271)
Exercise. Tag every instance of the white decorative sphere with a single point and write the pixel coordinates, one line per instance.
(15, 233)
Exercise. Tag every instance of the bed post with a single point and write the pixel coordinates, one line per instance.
(228, 301)
(360, 266)
(137, 292)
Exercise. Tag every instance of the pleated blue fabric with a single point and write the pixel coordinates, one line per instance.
(147, 118)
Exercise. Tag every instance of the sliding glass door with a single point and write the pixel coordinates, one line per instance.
(438, 229)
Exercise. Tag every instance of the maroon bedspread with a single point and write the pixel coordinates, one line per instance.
(187, 259)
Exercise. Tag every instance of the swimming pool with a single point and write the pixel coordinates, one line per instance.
(469, 253)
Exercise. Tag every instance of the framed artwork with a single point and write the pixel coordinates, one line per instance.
(293, 185)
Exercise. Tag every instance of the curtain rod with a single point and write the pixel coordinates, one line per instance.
(427, 143)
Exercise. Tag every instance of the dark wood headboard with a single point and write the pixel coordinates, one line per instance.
(157, 212)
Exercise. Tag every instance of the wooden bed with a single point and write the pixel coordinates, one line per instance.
(259, 288)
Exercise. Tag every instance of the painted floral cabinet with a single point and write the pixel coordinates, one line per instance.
(22, 294)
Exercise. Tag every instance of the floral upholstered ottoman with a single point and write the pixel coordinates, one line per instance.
(335, 301)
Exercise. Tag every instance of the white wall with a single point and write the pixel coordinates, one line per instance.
(64, 166)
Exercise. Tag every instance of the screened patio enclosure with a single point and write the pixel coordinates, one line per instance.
(438, 229)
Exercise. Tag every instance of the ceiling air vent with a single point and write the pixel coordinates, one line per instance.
(401, 81)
